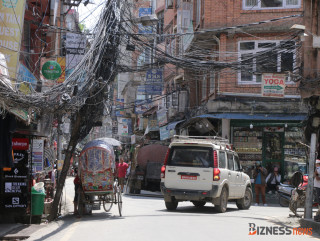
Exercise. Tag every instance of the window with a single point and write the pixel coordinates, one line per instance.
(147, 57)
(270, 4)
(230, 161)
(222, 159)
(160, 27)
(204, 86)
(191, 156)
(258, 57)
(169, 4)
(212, 81)
(237, 166)
(198, 12)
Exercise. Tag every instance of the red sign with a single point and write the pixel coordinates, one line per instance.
(20, 143)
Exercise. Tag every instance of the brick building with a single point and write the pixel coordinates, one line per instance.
(243, 101)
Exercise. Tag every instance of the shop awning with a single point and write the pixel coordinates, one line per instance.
(172, 125)
(240, 116)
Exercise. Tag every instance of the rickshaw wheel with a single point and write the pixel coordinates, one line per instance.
(108, 202)
(119, 201)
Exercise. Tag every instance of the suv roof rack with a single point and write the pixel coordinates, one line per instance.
(215, 139)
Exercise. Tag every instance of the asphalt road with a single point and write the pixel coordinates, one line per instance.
(146, 219)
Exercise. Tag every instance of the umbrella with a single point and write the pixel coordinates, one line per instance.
(110, 141)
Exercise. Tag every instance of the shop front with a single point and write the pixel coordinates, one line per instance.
(274, 143)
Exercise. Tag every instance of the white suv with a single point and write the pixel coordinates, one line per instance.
(201, 170)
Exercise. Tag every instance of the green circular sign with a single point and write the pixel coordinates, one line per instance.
(51, 70)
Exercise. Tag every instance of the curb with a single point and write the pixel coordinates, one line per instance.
(310, 223)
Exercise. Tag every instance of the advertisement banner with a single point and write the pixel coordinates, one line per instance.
(20, 143)
(37, 155)
(164, 133)
(120, 107)
(124, 126)
(11, 25)
(153, 124)
(142, 106)
(46, 83)
(75, 50)
(145, 12)
(154, 81)
(273, 85)
(62, 62)
(27, 81)
(162, 117)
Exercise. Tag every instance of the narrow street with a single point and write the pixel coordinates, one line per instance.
(145, 218)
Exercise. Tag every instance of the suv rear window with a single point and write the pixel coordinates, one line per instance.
(191, 156)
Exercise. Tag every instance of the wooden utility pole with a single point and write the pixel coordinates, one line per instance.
(311, 60)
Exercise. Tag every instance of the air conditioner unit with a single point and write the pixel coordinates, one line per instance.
(172, 112)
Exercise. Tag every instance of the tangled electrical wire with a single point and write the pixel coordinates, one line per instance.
(90, 83)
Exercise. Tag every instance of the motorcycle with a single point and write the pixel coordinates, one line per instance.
(298, 194)
(284, 193)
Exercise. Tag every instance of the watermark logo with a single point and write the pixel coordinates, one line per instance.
(277, 230)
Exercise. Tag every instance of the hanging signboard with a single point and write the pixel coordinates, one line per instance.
(27, 81)
(37, 155)
(154, 81)
(62, 62)
(164, 133)
(120, 107)
(145, 12)
(273, 85)
(153, 124)
(11, 25)
(162, 117)
(75, 50)
(20, 143)
(51, 70)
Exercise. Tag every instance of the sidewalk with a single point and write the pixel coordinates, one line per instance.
(19, 231)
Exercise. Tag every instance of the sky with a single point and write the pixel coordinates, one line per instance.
(89, 15)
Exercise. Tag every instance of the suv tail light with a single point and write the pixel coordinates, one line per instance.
(216, 171)
(163, 171)
(216, 174)
(215, 159)
(163, 168)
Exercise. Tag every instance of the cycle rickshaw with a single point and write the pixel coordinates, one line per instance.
(96, 172)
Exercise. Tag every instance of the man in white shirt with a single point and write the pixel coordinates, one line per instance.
(273, 180)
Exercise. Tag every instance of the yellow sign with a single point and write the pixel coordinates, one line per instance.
(60, 165)
(62, 62)
(11, 26)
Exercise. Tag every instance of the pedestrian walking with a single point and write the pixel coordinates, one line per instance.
(259, 175)
(121, 171)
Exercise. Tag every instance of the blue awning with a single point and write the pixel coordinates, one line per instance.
(172, 125)
(240, 116)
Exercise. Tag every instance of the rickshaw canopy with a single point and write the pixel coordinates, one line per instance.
(96, 166)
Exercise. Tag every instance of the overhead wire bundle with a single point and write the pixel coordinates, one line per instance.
(107, 57)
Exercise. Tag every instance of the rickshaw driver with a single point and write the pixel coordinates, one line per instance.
(121, 170)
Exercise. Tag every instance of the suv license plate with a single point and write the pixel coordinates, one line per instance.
(184, 177)
(140, 177)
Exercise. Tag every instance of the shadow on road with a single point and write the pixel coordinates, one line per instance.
(68, 220)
